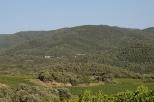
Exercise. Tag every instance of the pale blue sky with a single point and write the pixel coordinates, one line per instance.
(23, 15)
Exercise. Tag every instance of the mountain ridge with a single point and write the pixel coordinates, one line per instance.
(86, 38)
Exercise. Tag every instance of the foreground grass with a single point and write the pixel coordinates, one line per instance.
(120, 85)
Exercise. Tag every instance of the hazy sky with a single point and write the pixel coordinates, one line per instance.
(21, 15)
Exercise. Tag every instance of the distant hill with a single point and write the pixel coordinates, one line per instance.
(131, 49)
(151, 29)
(3, 40)
(9, 40)
(80, 39)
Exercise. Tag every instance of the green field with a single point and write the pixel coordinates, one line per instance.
(14, 81)
(121, 85)
(118, 86)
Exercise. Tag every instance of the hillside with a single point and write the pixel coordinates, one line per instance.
(67, 41)
(4, 42)
(150, 30)
(98, 45)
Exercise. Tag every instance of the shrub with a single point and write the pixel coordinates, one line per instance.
(44, 76)
(64, 94)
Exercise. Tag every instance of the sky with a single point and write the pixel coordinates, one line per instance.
(32, 15)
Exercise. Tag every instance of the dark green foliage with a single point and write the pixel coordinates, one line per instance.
(105, 77)
(64, 94)
(138, 53)
(44, 76)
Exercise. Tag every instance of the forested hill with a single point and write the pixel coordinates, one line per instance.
(151, 30)
(81, 39)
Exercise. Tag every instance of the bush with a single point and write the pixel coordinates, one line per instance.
(44, 76)
(105, 77)
(64, 94)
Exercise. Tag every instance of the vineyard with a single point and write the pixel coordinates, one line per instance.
(142, 94)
